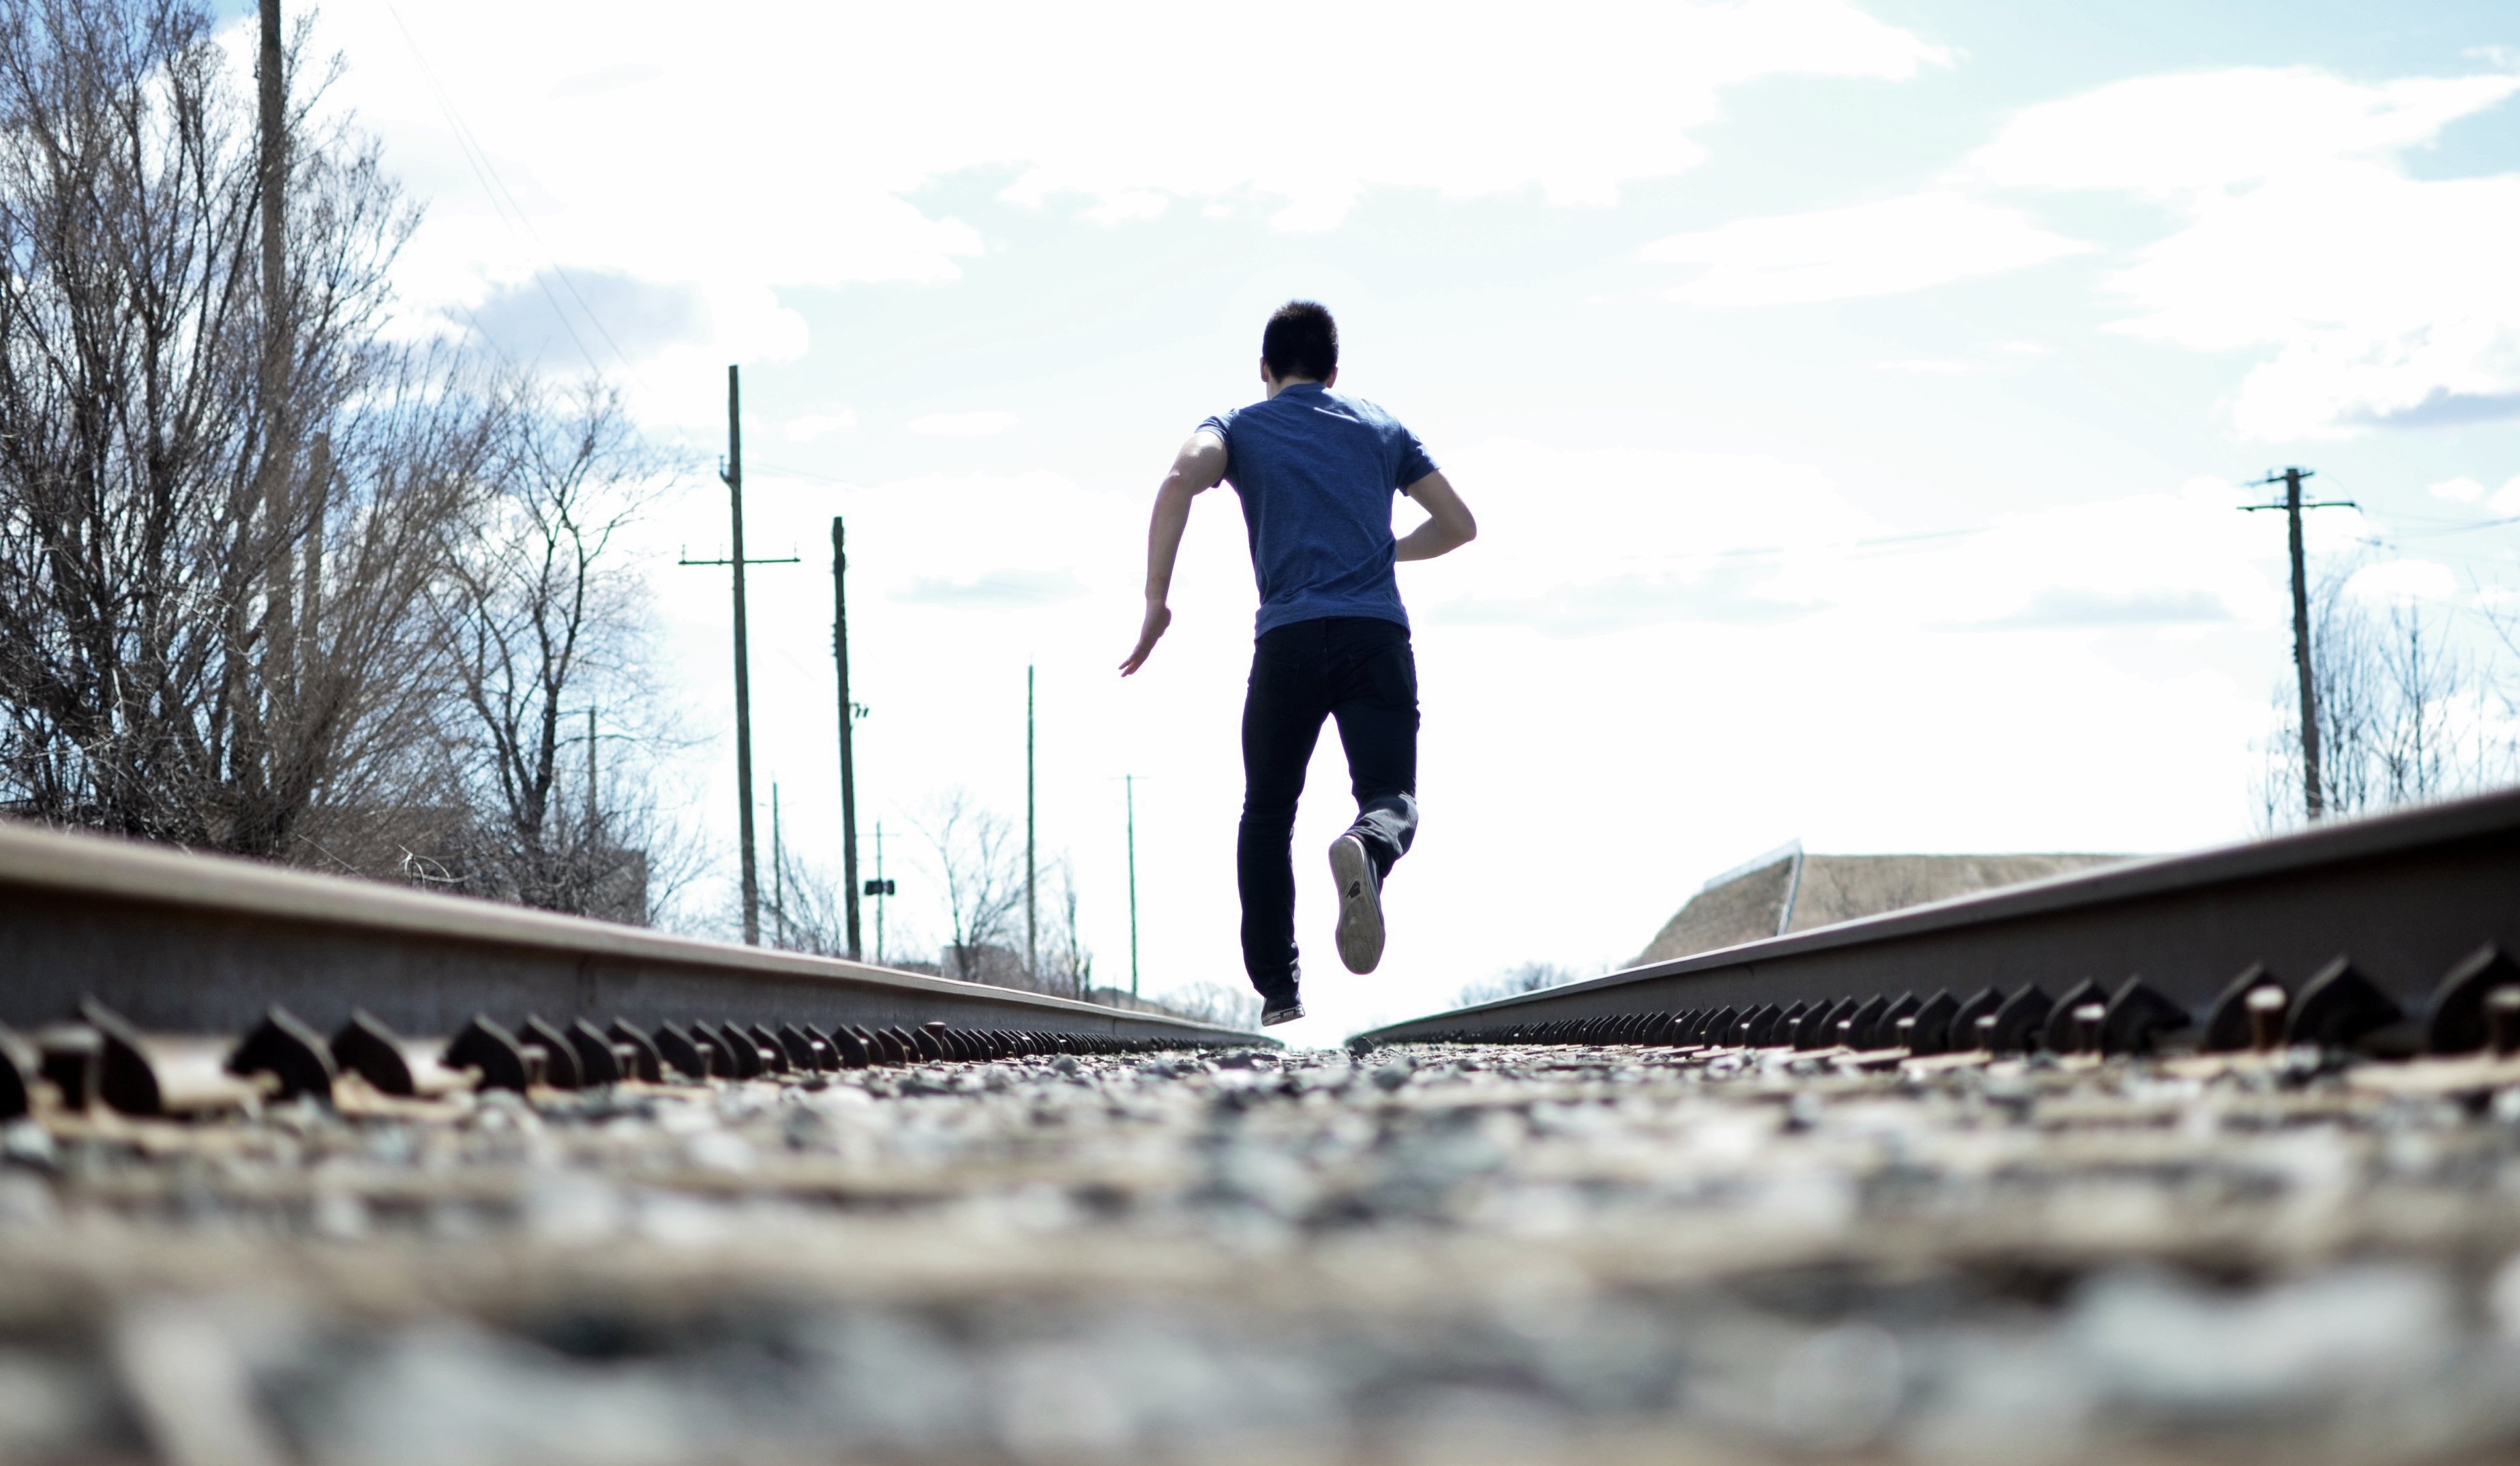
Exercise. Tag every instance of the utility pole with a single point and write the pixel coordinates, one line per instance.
(261, 509)
(1129, 786)
(2313, 793)
(849, 716)
(274, 177)
(732, 474)
(594, 821)
(274, 188)
(778, 871)
(1032, 865)
(879, 888)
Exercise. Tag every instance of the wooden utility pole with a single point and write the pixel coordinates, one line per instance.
(2313, 788)
(273, 181)
(254, 705)
(879, 888)
(849, 718)
(1129, 785)
(1032, 864)
(732, 474)
(732, 471)
(594, 816)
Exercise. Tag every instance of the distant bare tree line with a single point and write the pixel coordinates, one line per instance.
(972, 859)
(1514, 981)
(2406, 712)
(273, 579)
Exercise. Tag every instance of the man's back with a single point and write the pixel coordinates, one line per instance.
(1316, 472)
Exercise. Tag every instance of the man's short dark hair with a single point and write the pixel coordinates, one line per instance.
(1302, 341)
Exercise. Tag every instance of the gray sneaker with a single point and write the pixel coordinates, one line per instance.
(1281, 1010)
(1359, 893)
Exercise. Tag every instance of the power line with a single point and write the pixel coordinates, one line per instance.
(487, 172)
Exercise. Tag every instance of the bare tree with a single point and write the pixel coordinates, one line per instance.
(806, 912)
(542, 625)
(979, 864)
(1211, 1002)
(214, 555)
(2502, 701)
(2403, 716)
(1527, 977)
(1069, 966)
(2417, 751)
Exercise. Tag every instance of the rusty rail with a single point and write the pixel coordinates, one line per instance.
(132, 969)
(2391, 934)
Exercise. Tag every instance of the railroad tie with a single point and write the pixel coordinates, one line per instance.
(556, 1055)
(163, 1074)
(20, 1066)
(2461, 1021)
(393, 1064)
(646, 1060)
(496, 1056)
(296, 1058)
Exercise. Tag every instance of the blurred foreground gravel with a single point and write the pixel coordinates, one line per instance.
(1431, 1253)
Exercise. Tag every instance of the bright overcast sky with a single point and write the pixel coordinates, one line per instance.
(1855, 400)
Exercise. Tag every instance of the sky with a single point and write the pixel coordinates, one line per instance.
(1857, 402)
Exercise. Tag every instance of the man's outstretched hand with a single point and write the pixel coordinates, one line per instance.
(1158, 617)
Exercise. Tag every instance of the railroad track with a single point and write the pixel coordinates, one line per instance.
(166, 983)
(1513, 1246)
(2392, 935)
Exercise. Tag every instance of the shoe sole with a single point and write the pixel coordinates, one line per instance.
(1287, 1015)
(1360, 918)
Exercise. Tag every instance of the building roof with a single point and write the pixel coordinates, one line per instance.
(1787, 890)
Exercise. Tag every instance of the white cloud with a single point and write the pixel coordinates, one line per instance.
(613, 78)
(1875, 249)
(2369, 297)
(2161, 561)
(788, 147)
(2382, 298)
(2458, 490)
(962, 424)
(2204, 131)
(1008, 588)
(2508, 499)
(805, 428)
(1719, 539)
(2000, 356)
(2403, 580)
(1715, 537)
(2278, 165)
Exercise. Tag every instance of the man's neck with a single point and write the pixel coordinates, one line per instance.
(1278, 385)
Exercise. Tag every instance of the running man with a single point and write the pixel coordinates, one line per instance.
(1316, 472)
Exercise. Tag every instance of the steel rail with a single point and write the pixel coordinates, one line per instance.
(2398, 905)
(181, 943)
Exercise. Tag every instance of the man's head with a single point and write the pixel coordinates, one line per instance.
(1301, 345)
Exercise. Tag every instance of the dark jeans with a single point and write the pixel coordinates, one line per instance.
(1359, 670)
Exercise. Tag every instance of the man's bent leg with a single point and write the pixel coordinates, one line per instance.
(1374, 694)
(1282, 721)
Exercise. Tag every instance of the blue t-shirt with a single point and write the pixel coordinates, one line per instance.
(1316, 472)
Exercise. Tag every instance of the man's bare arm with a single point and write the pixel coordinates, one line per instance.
(1196, 469)
(1449, 524)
